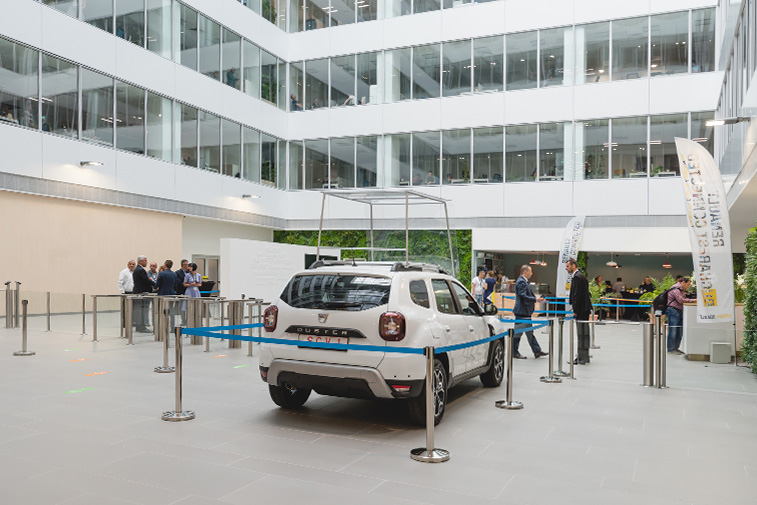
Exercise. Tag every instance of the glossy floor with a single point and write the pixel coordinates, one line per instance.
(80, 424)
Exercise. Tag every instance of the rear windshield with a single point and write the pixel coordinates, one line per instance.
(337, 292)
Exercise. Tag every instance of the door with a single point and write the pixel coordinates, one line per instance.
(475, 326)
(451, 325)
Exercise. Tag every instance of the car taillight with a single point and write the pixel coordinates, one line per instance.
(392, 326)
(270, 317)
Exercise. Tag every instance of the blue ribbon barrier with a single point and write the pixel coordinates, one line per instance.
(613, 305)
(553, 312)
(206, 292)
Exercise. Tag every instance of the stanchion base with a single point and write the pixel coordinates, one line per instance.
(560, 373)
(164, 369)
(434, 456)
(504, 404)
(594, 347)
(172, 415)
(661, 387)
(550, 380)
(24, 353)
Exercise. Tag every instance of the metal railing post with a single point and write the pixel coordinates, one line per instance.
(179, 414)
(129, 329)
(207, 323)
(593, 344)
(617, 310)
(48, 311)
(508, 403)
(24, 337)
(166, 343)
(648, 352)
(236, 317)
(429, 454)
(122, 308)
(551, 379)
(94, 318)
(8, 305)
(83, 314)
(663, 382)
(574, 326)
(560, 372)
(16, 301)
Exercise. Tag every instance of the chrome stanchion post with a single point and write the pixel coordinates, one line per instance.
(593, 344)
(508, 403)
(574, 326)
(648, 351)
(249, 330)
(166, 342)
(663, 382)
(617, 310)
(179, 414)
(83, 314)
(207, 324)
(16, 301)
(48, 311)
(24, 337)
(429, 454)
(94, 318)
(659, 348)
(128, 328)
(551, 379)
(8, 305)
(236, 315)
(560, 372)
(122, 309)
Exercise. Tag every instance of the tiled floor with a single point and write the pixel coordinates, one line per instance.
(70, 437)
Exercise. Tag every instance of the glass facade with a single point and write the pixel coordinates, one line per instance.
(670, 33)
(663, 130)
(488, 64)
(130, 120)
(158, 127)
(629, 147)
(456, 156)
(425, 158)
(19, 84)
(426, 71)
(520, 153)
(488, 154)
(59, 97)
(521, 60)
(342, 81)
(97, 107)
(456, 69)
(629, 48)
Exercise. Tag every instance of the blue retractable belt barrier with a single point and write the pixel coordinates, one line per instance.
(613, 305)
(205, 292)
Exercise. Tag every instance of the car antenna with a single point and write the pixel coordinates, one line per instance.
(353, 261)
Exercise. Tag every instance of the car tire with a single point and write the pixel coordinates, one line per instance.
(288, 398)
(492, 378)
(417, 406)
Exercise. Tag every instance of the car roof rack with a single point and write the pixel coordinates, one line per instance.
(402, 266)
(336, 263)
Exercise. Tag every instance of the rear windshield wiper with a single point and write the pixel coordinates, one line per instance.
(340, 305)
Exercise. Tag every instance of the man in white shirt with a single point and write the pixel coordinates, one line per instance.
(126, 279)
(479, 285)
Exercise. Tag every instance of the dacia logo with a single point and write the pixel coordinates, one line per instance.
(322, 318)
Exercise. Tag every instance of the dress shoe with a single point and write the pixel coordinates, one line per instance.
(577, 362)
(540, 354)
(519, 356)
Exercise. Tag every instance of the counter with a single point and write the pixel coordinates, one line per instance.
(697, 336)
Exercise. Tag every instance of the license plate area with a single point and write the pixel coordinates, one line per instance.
(323, 339)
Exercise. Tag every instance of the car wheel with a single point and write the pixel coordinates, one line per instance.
(288, 398)
(417, 406)
(496, 372)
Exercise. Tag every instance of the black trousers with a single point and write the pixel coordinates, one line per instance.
(583, 336)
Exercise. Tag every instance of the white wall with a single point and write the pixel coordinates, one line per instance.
(261, 269)
(203, 236)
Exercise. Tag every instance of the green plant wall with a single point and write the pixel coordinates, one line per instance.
(749, 344)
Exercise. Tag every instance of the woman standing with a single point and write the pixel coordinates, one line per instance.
(192, 282)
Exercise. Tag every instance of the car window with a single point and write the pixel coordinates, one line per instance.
(467, 302)
(337, 291)
(445, 302)
(419, 293)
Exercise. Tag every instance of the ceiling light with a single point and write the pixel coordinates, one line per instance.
(726, 120)
(666, 264)
(90, 163)
(612, 263)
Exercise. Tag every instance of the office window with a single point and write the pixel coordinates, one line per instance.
(281, 96)
(251, 68)
(130, 21)
(456, 156)
(426, 71)
(592, 53)
(702, 133)
(426, 157)
(449, 4)
(488, 63)
(552, 151)
(456, 72)
(367, 158)
(18, 84)
(296, 86)
(426, 6)
(342, 12)
(296, 19)
(703, 40)
(521, 60)
(316, 14)
(662, 147)
(251, 154)
(629, 147)
(232, 57)
(268, 77)
(130, 121)
(99, 14)
(520, 153)
(398, 71)
(159, 124)
(316, 87)
(159, 27)
(295, 165)
(187, 33)
(397, 160)
(69, 7)
(269, 156)
(96, 107)
(367, 10)
(253, 5)
(552, 44)
(396, 8)
(269, 10)
(342, 173)
(316, 164)
(231, 153)
(210, 141)
(488, 156)
(368, 78)
(59, 96)
(187, 134)
(281, 179)
(670, 33)
(210, 48)
(342, 81)
(629, 48)
(593, 140)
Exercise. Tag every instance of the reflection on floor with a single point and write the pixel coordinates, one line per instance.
(81, 424)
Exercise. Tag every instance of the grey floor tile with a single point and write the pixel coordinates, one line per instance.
(36, 491)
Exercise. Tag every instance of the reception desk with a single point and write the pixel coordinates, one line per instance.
(697, 336)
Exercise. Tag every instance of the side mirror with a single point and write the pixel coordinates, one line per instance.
(490, 309)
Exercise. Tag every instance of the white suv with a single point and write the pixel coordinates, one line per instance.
(384, 305)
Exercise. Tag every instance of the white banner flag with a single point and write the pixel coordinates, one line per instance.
(709, 232)
(571, 237)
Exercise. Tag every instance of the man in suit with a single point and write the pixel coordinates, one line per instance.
(180, 288)
(167, 287)
(524, 308)
(142, 284)
(580, 300)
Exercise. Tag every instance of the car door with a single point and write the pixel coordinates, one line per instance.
(475, 326)
(451, 328)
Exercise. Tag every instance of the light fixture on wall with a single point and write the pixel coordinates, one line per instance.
(90, 164)
(666, 264)
(250, 196)
(726, 120)
(533, 260)
(612, 263)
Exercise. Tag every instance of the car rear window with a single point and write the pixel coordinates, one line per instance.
(337, 292)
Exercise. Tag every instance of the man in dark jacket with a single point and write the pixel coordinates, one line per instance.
(580, 300)
(181, 288)
(167, 287)
(524, 307)
(142, 284)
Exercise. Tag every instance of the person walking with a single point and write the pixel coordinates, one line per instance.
(580, 300)
(142, 284)
(478, 285)
(674, 313)
(490, 283)
(525, 300)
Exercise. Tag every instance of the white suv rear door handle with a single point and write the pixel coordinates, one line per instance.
(471, 329)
